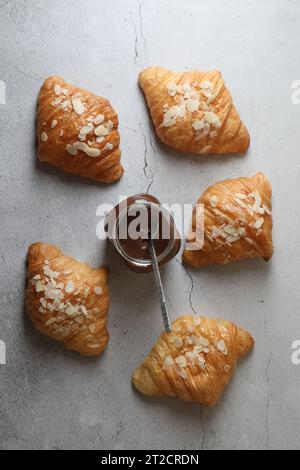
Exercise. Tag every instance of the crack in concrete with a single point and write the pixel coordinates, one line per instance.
(136, 41)
(141, 5)
(2, 256)
(192, 288)
(120, 429)
(151, 131)
(136, 52)
(268, 401)
(267, 375)
(203, 428)
(192, 285)
(136, 49)
(147, 170)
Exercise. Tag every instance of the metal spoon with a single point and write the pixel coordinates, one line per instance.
(159, 287)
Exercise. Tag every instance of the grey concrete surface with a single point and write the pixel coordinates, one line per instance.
(53, 399)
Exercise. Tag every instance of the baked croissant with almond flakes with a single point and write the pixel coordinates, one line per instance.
(193, 111)
(237, 223)
(67, 300)
(78, 132)
(195, 361)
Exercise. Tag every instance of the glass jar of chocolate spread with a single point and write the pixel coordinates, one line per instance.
(133, 223)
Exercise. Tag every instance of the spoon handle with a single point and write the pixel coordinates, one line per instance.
(159, 287)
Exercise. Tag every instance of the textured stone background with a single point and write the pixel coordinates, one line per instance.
(51, 398)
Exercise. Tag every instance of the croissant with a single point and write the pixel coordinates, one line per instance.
(193, 111)
(67, 300)
(78, 132)
(195, 362)
(237, 222)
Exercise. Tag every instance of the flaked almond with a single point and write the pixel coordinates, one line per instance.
(101, 131)
(71, 150)
(259, 223)
(44, 137)
(109, 146)
(86, 129)
(212, 118)
(213, 201)
(192, 105)
(93, 152)
(57, 90)
(78, 106)
(98, 119)
(98, 290)
(70, 287)
(221, 346)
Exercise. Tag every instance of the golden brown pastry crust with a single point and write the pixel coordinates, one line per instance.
(195, 362)
(67, 300)
(64, 112)
(237, 222)
(220, 131)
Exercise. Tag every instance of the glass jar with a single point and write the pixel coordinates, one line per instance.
(133, 223)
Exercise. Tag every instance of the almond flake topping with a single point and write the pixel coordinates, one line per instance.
(53, 124)
(57, 90)
(109, 146)
(181, 361)
(86, 130)
(110, 125)
(213, 201)
(44, 137)
(178, 342)
(192, 105)
(78, 106)
(70, 287)
(53, 298)
(170, 116)
(259, 223)
(89, 151)
(221, 346)
(71, 150)
(98, 119)
(212, 118)
(101, 131)
(56, 102)
(172, 89)
(168, 363)
(201, 361)
(182, 373)
(93, 152)
(98, 290)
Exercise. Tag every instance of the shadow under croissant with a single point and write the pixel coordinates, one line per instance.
(233, 269)
(69, 179)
